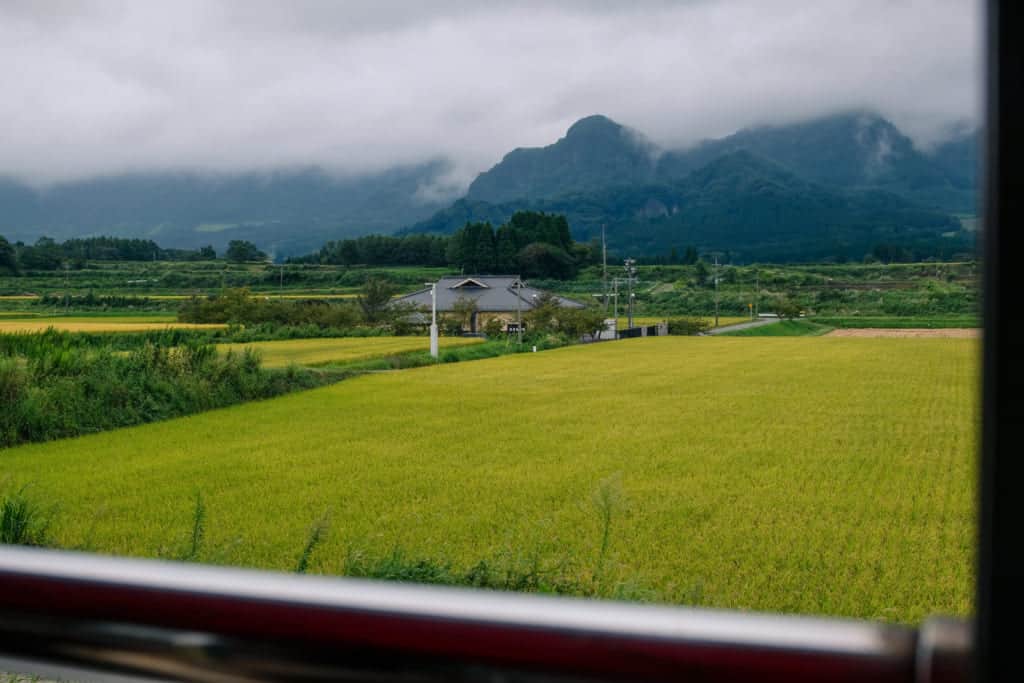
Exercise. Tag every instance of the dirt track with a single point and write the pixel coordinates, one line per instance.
(953, 333)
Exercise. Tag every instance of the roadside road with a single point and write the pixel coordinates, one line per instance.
(743, 326)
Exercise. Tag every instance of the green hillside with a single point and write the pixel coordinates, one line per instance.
(595, 153)
(855, 150)
(742, 204)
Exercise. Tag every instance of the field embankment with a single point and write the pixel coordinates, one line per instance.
(909, 333)
(819, 475)
(782, 328)
(935, 322)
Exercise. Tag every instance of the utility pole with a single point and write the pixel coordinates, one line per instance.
(604, 268)
(615, 284)
(281, 283)
(67, 293)
(716, 290)
(433, 319)
(519, 312)
(757, 297)
(630, 272)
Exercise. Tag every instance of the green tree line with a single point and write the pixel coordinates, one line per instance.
(49, 254)
(531, 243)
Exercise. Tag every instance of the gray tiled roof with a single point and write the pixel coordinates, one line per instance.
(491, 293)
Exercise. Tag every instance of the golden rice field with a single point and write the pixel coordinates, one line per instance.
(117, 318)
(810, 475)
(311, 352)
(96, 324)
(181, 297)
(268, 295)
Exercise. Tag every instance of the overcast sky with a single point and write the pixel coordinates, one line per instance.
(104, 87)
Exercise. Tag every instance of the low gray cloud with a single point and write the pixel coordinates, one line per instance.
(107, 87)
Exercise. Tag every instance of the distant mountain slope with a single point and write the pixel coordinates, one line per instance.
(285, 212)
(595, 153)
(858, 150)
(959, 158)
(855, 150)
(741, 203)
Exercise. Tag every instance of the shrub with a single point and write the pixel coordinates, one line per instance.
(688, 326)
(241, 307)
(492, 328)
(450, 325)
(786, 308)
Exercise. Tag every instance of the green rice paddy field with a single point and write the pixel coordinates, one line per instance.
(813, 475)
(312, 352)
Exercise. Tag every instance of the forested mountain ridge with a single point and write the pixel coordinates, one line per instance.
(833, 187)
(741, 203)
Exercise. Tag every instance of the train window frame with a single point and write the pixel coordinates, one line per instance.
(100, 616)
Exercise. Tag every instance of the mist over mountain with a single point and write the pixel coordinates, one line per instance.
(855, 150)
(828, 187)
(833, 187)
(285, 212)
(959, 158)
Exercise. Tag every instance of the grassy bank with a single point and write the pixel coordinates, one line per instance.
(894, 322)
(55, 392)
(784, 328)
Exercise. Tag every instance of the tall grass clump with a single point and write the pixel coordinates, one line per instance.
(510, 571)
(195, 541)
(23, 521)
(317, 533)
(607, 501)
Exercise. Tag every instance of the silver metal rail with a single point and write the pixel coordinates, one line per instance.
(202, 623)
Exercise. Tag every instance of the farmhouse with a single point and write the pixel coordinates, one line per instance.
(501, 297)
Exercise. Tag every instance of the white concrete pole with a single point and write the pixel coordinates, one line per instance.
(433, 320)
(519, 314)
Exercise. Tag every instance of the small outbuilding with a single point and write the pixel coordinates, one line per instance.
(501, 297)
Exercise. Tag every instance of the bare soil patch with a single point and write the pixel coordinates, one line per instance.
(949, 333)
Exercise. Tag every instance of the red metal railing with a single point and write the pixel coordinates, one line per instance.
(202, 623)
